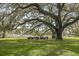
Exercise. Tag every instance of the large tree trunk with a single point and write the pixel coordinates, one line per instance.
(59, 35)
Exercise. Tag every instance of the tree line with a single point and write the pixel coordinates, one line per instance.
(34, 17)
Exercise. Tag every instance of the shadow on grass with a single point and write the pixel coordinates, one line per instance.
(38, 48)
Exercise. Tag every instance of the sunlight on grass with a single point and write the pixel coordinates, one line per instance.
(25, 47)
(68, 53)
(37, 52)
(71, 38)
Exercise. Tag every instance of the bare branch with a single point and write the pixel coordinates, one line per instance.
(63, 4)
(65, 16)
(72, 22)
(67, 20)
(39, 9)
(31, 30)
(40, 20)
(45, 31)
(60, 5)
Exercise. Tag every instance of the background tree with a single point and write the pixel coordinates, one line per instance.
(48, 17)
(59, 17)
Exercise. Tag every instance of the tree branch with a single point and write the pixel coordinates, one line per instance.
(72, 22)
(65, 16)
(63, 4)
(39, 9)
(40, 20)
(31, 30)
(67, 20)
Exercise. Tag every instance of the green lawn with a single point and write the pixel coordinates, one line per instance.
(24, 47)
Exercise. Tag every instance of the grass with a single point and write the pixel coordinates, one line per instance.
(24, 47)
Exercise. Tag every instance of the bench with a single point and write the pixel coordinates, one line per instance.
(37, 38)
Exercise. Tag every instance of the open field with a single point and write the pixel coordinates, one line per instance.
(24, 47)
